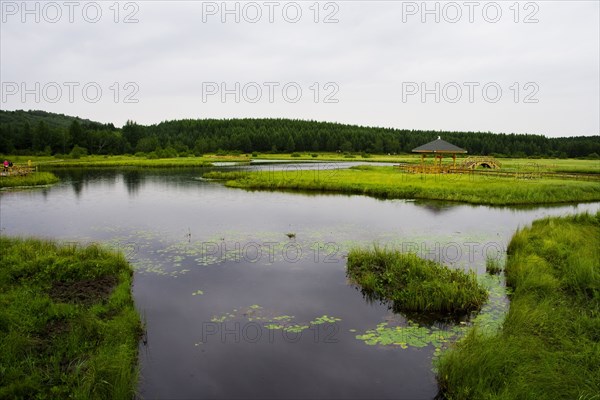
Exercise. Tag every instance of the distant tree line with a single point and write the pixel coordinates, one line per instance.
(39, 132)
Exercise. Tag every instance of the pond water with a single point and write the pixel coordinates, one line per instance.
(245, 294)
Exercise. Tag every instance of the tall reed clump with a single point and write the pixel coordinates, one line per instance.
(414, 284)
(33, 179)
(493, 265)
(68, 325)
(548, 347)
(225, 175)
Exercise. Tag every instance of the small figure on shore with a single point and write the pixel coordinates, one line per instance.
(6, 164)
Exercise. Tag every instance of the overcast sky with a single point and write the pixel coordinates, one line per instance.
(532, 67)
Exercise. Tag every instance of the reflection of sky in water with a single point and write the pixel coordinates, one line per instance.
(170, 207)
(203, 251)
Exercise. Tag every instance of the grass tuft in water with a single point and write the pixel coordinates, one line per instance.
(414, 284)
(225, 175)
(493, 265)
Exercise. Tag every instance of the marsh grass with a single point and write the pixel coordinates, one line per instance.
(493, 265)
(548, 347)
(225, 175)
(129, 161)
(68, 326)
(33, 179)
(389, 182)
(98, 161)
(414, 284)
(522, 165)
(570, 165)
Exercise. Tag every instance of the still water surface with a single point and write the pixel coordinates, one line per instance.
(236, 307)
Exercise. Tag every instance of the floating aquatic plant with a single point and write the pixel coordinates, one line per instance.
(271, 320)
(295, 328)
(411, 335)
(324, 319)
(274, 326)
(488, 321)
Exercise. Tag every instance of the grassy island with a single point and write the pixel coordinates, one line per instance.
(389, 182)
(414, 284)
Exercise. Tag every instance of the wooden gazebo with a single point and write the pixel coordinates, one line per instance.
(439, 148)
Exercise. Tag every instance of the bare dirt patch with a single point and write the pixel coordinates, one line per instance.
(85, 292)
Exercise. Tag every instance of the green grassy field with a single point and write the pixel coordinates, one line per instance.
(68, 326)
(33, 179)
(414, 284)
(127, 161)
(390, 182)
(549, 344)
(323, 156)
(510, 164)
(551, 165)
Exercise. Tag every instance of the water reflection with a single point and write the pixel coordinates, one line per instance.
(133, 181)
(436, 207)
(195, 244)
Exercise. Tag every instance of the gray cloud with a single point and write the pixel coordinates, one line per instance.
(371, 54)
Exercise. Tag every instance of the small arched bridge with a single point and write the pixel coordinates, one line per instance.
(485, 162)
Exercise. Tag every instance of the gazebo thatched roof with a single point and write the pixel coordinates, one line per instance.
(439, 146)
